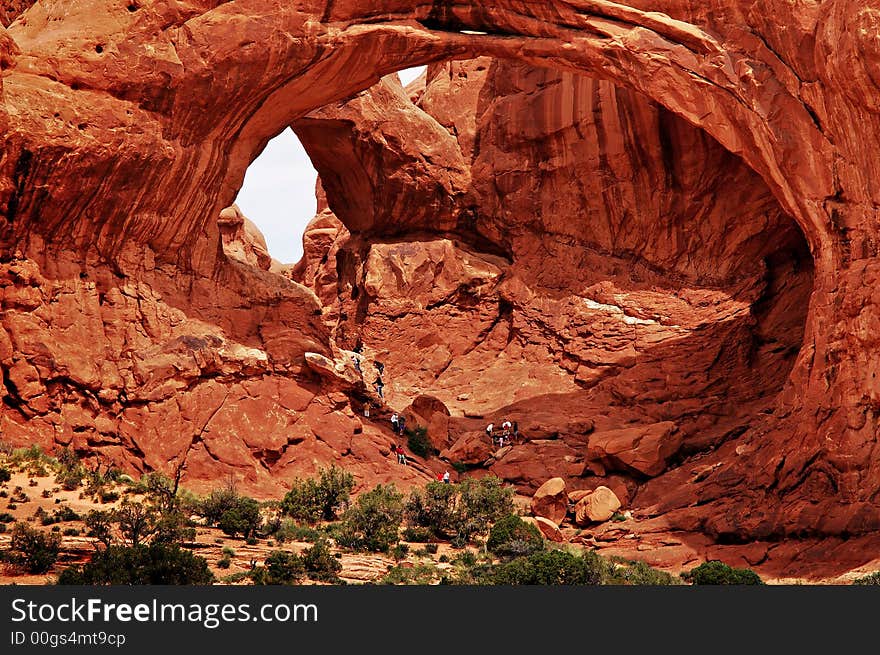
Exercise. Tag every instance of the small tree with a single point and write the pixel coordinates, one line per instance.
(374, 521)
(243, 517)
(36, 551)
(313, 500)
(434, 508)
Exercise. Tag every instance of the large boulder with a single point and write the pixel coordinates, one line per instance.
(549, 529)
(551, 501)
(643, 449)
(596, 507)
(431, 414)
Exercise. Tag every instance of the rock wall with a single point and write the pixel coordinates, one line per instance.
(128, 128)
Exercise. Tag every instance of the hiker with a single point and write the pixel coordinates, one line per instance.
(489, 429)
(401, 456)
(367, 410)
(446, 476)
(394, 420)
(380, 367)
(505, 427)
(439, 477)
(378, 384)
(357, 362)
(516, 431)
(401, 424)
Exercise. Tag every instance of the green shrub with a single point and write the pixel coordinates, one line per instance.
(431, 549)
(154, 564)
(373, 522)
(291, 531)
(281, 568)
(870, 579)
(5, 474)
(216, 503)
(320, 564)
(460, 512)
(228, 551)
(639, 573)
(419, 574)
(34, 550)
(242, 517)
(399, 551)
(513, 537)
(312, 500)
(6, 517)
(224, 562)
(715, 572)
(70, 532)
(419, 443)
(417, 535)
(552, 567)
(433, 509)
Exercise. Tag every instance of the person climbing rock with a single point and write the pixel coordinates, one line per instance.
(379, 386)
(401, 455)
(489, 433)
(394, 422)
(446, 477)
(401, 424)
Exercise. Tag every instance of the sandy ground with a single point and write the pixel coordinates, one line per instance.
(43, 492)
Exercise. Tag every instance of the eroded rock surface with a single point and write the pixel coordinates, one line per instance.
(696, 246)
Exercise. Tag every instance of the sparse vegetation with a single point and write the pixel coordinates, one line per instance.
(870, 579)
(154, 564)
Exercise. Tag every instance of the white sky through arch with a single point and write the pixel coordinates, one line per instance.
(278, 192)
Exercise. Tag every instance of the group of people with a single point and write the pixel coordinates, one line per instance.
(378, 383)
(502, 437)
(398, 423)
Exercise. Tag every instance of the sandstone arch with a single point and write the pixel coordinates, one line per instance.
(158, 136)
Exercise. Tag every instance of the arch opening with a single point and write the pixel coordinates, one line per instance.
(637, 277)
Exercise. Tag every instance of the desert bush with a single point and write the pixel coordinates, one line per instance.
(373, 522)
(550, 567)
(420, 574)
(5, 474)
(289, 530)
(639, 573)
(154, 564)
(312, 500)
(419, 442)
(870, 579)
(460, 512)
(715, 572)
(320, 564)
(34, 550)
(242, 518)
(418, 534)
(224, 562)
(281, 568)
(513, 537)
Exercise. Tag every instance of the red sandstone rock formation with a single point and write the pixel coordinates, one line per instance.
(572, 255)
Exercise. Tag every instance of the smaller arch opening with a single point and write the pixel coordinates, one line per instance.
(275, 204)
